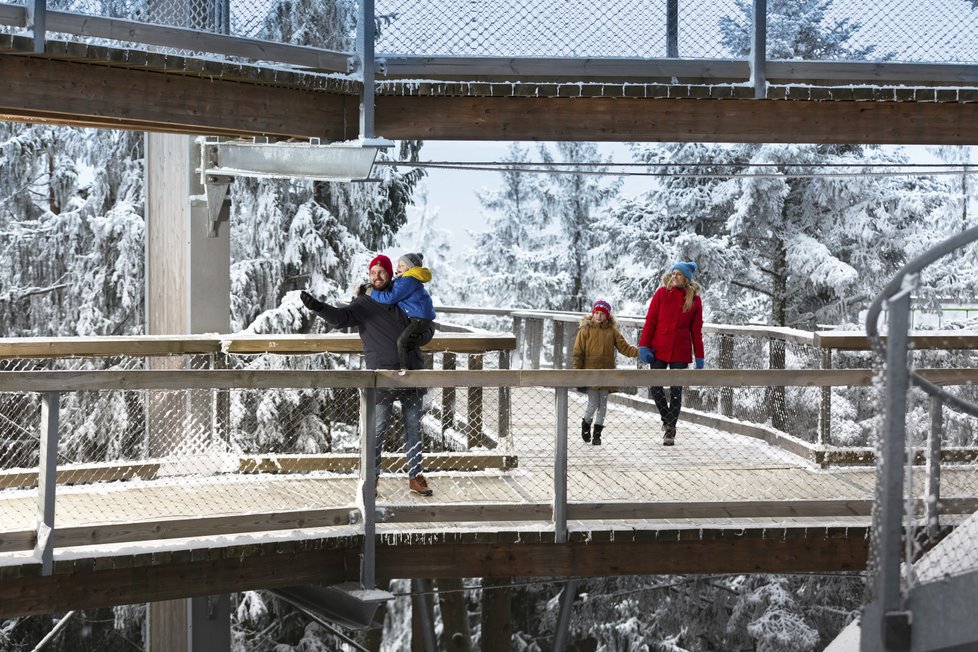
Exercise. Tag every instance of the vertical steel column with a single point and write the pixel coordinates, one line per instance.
(368, 493)
(47, 480)
(560, 515)
(365, 51)
(896, 623)
(825, 409)
(758, 49)
(672, 29)
(560, 468)
(934, 466)
(37, 22)
(563, 618)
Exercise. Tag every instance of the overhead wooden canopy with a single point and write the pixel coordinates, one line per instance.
(83, 85)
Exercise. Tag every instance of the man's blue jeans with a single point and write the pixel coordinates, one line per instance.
(411, 412)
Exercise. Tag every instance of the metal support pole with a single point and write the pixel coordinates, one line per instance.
(672, 29)
(563, 618)
(368, 443)
(560, 468)
(934, 466)
(47, 480)
(758, 49)
(365, 50)
(896, 623)
(37, 21)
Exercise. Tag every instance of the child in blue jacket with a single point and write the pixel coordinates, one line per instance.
(410, 295)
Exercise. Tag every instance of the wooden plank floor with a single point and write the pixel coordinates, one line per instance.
(705, 466)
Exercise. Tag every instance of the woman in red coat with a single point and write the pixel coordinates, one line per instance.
(673, 337)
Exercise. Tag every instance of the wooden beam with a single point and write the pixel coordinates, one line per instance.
(676, 120)
(550, 69)
(51, 381)
(37, 86)
(152, 345)
(820, 553)
(108, 581)
(70, 537)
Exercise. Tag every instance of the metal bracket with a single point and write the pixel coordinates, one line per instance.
(216, 190)
(896, 630)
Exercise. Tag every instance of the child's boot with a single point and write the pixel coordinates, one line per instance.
(596, 439)
(585, 431)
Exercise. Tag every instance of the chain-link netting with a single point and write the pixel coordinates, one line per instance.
(897, 30)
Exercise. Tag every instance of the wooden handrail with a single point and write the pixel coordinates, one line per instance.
(46, 381)
(155, 345)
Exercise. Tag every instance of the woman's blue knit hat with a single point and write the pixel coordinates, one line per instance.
(687, 269)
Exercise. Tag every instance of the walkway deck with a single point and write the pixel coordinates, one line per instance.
(715, 502)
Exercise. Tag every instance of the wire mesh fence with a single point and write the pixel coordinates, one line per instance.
(895, 30)
(171, 456)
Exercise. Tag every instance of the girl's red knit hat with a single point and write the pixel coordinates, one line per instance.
(602, 306)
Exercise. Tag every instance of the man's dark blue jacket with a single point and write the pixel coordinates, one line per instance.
(379, 326)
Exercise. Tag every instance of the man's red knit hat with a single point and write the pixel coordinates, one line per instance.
(383, 261)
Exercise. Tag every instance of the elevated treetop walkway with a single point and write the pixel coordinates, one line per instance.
(508, 74)
(182, 466)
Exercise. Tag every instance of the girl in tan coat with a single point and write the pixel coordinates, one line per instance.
(594, 348)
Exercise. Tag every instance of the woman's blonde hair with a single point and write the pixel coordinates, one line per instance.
(692, 289)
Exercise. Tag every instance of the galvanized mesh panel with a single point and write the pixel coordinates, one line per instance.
(912, 30)
(625, 28)
(896, 30)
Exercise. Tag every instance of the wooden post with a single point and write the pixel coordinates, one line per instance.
(558, 345)
(534, 329)
(221, 426)
(825, 407)
(47, 480)
(776, 401)
(505, 404)
(497, 621)
(456, 634)
(476, 437)
(519, 333)
(726, 362)
(422, 617)
(934, 466)
(447, 395)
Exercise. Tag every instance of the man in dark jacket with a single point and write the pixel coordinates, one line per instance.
(379, 326)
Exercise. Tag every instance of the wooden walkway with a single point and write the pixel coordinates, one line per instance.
(709, 478)
(714, 503)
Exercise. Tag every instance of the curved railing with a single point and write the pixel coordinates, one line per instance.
(912, 596)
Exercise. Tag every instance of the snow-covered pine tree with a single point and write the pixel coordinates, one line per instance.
(516, 262)
(574, 198)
